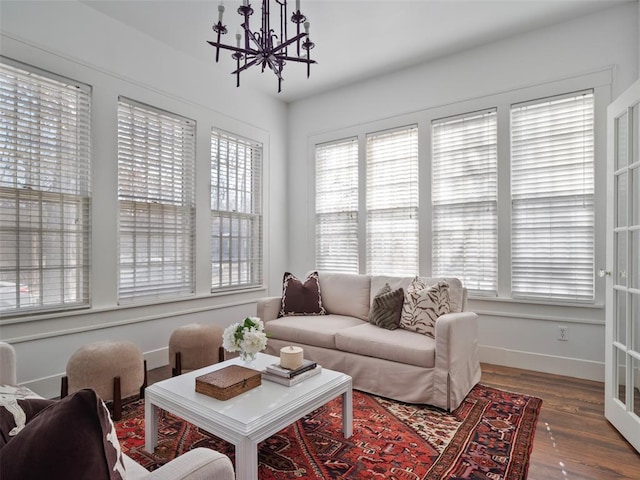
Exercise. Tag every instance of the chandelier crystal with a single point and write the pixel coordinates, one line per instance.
(265, 47)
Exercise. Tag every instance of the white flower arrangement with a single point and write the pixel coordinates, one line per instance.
(246, 337)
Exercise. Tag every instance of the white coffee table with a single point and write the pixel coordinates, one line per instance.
(249, 418)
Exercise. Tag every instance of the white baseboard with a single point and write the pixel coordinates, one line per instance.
(49, 387)
(157, 358)
(570, 367)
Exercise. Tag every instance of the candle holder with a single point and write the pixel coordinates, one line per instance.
(291, 357)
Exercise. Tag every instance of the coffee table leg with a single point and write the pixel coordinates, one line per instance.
(246, 460)
(347, 413)
(150, 426)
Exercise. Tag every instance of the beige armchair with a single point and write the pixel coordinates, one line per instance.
(197, 464)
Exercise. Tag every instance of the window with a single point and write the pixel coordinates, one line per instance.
(464, 199)
(392, 202)
(236, 212)
(156, 158)
(511, 194)
(45, 191)
(337, 206)
(552, 195)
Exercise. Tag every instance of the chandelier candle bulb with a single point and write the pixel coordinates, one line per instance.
(291, 357)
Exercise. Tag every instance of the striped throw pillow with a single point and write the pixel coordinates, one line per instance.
(386, 308)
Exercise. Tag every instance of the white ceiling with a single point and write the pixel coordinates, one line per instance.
(355, 39)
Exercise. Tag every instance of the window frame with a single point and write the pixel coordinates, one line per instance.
(254, 218)
(392, 245)
(525, 203)
(180, 205)
(482, 145)
(69, 157)
(345, 214)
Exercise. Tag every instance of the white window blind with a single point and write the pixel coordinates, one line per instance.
(464, 200)
(552, 188)
(45, 191)
(392, 202)
(236, 212)
(337, 206)
(156, 158)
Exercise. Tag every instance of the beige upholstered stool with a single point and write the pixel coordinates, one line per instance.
(115, 369)
(195, 346)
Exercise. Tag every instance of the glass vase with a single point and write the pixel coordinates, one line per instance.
(248, 359)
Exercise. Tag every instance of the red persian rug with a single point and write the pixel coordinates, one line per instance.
(489, 436)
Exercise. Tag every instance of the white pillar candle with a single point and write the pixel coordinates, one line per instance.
(291, 357)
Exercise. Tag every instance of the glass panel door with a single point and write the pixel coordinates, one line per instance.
(622, 362)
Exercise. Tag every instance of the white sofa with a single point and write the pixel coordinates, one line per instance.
(399, 364)
(196, 464)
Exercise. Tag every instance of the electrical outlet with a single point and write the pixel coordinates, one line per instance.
(563, 333)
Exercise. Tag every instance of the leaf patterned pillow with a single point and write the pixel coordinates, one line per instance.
(410, 300)
(426, 305)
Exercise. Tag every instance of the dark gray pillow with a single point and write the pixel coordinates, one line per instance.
(386, 308)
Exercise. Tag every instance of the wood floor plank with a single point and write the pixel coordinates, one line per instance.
(573, 439)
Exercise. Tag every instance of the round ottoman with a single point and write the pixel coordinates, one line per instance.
(115, 369)
(194, 346)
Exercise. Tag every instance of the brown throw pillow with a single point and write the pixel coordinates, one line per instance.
(71, 438)
(9, 408)
(300, 298)
(386, 308)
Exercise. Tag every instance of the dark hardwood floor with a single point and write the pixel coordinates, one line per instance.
(573, 440)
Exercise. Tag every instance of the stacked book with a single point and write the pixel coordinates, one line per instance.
(285, 376)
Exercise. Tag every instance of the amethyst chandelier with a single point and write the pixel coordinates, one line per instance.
(265, 47)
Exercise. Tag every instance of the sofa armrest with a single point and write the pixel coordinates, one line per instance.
(457, 362)
(7, 364)
(268, 308)
(197, 464)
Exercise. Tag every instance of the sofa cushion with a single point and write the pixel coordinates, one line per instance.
(71, 438)
(311, 330)
(301, 298)
(423, 306)
(456, 290)
(347, 294)
(399, 345)
(386, 308)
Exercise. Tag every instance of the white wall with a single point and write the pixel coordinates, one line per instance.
(74, 40)
(511, 333)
